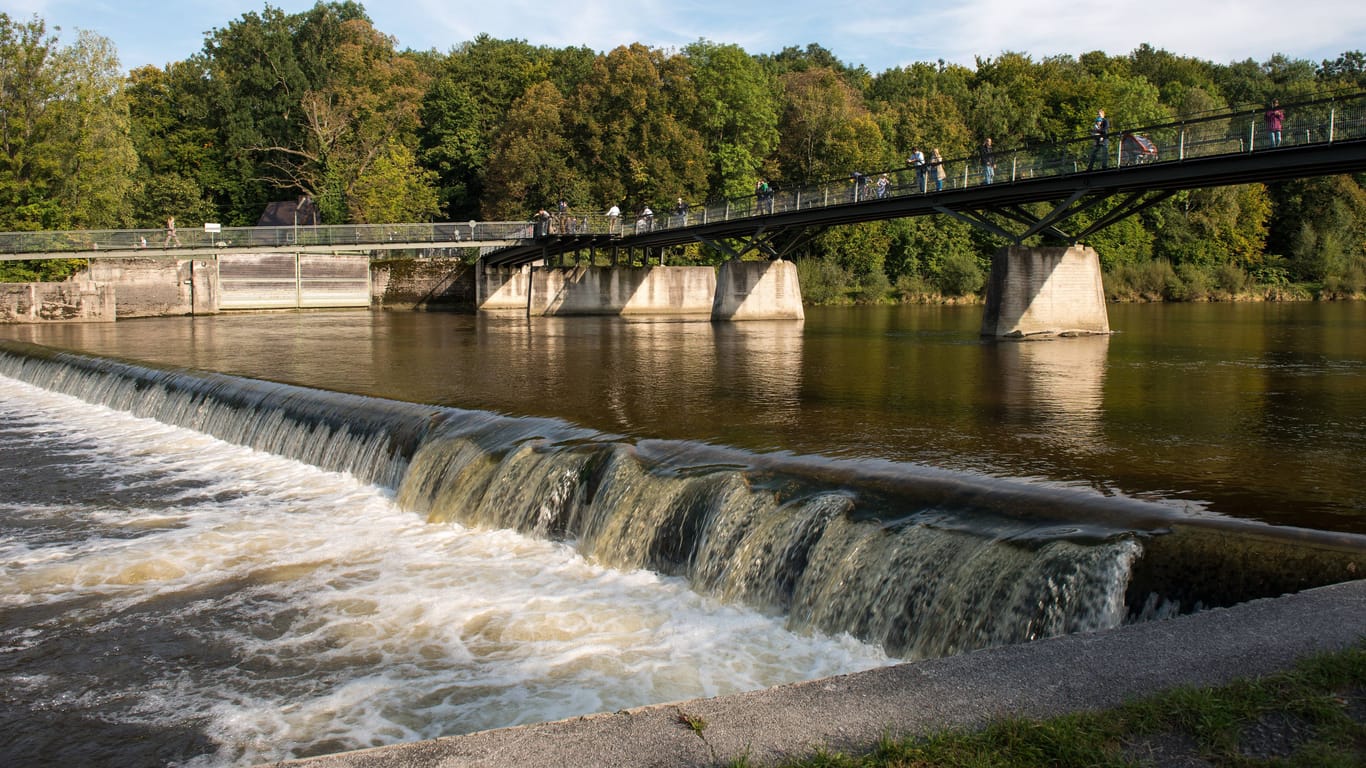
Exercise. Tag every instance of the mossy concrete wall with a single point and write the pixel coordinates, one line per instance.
(431, 284)
(76, 301)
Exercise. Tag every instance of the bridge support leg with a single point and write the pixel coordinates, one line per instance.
(757, 290)
(1045, 291)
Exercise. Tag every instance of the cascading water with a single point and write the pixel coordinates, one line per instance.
(169, 598)
(884, 566)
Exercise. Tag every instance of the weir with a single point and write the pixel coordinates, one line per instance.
(924, 562)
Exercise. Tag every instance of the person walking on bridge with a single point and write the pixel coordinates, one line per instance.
(1100, 135)
(171, 236)
(1274, 117)
(613, 215)
(987, 156)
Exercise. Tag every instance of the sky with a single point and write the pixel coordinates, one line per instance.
(878, 34)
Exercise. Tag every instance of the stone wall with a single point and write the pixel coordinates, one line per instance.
(77, 301)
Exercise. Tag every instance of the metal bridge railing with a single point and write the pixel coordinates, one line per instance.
(84, 243)
(1320, 121)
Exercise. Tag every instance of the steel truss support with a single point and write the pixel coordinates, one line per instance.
(1078, 202)
(770, 243)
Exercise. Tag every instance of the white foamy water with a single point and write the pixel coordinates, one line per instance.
(155, 578)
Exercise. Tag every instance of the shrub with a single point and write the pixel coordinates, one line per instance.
(874, 288)
(822, 281)
(915, 288)
(959, 274)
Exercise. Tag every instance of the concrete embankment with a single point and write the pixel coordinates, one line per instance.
(852, 712)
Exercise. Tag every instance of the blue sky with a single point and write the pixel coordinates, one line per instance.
(879, 34)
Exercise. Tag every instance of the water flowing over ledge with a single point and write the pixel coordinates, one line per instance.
(922, 561)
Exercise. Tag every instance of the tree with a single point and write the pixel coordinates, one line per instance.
(178, 158)
(826, 132)
(465, 107)
(529, 165)
(96, 165)
(67, 160)
(259, 70)
(736, 115)
(624, 129)
(393, 188)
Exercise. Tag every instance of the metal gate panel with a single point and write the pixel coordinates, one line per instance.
(258, 281)
(334, 281)
(292, 281)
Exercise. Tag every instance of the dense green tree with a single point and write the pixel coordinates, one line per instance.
(465, 107)
(529, 167)
(392, 188)
(736, 115)
(623, 128)
(67, 159)
(827, 132)
(260, 69)
(178, 156)
(94, 175)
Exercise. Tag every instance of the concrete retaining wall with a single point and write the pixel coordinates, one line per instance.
(1045, 291)
(157, 287)
(441, 284)
(78, 301)
(742, 291)
(622, 291)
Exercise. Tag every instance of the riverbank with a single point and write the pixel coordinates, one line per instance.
(853, 713)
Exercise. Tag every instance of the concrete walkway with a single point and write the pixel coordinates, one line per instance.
(851, 712)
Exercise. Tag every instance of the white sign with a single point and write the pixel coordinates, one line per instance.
(213, 227)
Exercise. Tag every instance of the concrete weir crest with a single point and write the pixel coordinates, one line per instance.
(1045, 291)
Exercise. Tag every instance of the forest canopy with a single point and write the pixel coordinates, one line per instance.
(320, 104)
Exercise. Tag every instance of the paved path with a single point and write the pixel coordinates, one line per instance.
(852, 712)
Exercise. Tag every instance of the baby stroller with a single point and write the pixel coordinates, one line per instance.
(1137, 149)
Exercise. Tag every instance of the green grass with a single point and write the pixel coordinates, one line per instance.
(1312, 715)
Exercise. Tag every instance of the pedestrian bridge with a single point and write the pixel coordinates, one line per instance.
(1015, 193)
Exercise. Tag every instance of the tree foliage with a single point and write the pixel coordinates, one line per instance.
(320, 103)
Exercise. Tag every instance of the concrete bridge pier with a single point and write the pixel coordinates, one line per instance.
(1045, 291)
(502, 288)
(758, 290)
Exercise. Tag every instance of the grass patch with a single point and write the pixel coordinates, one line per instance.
(1313, 715)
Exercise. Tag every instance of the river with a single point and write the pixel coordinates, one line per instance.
(504, 519)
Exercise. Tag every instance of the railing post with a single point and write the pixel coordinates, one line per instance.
(1181, 145)
(1013, 160)
(1332, 121)
(1251, 131)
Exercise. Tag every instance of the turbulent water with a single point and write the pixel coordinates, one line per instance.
(201, 568)
(171, 597)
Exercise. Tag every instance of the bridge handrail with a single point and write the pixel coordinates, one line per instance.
(82, 243)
